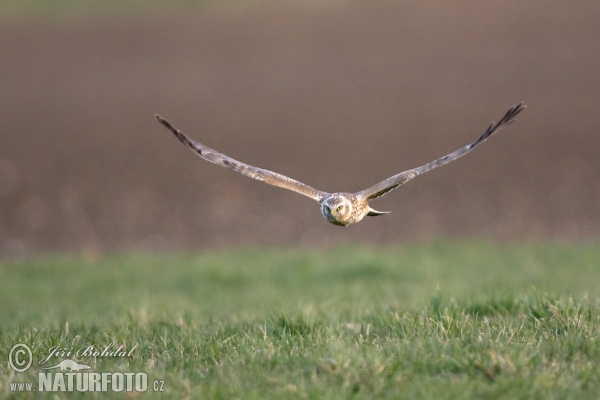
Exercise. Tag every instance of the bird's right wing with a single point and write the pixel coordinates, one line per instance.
(270, 177)
(381, 188)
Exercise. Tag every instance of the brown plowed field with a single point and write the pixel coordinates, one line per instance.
(336, 94)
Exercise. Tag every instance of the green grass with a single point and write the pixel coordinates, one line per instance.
(439, 320)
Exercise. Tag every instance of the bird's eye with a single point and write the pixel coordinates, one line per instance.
(328, 209)
(340, 208)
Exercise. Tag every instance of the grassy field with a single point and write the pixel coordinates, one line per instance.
(438, 320)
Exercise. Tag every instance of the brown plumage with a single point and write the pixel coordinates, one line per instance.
(339, 208)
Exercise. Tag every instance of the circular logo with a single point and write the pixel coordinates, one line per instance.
(20, 357)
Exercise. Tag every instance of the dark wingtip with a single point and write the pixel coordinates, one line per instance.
(516, 109)
(506, 120)
(509, 117)
(180, 135)
(161, 119)
(165, 122)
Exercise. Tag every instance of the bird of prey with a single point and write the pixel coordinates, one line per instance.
(339, 208)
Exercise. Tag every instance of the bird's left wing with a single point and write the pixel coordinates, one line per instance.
(270, 177)
(391, 183)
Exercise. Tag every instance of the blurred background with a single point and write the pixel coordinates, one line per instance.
(337, 94)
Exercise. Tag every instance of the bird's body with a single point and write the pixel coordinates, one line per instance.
(339, 208)
(344, 209)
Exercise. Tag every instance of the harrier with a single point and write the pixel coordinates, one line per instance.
(338, 208)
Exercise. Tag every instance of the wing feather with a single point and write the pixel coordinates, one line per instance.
(392, 182)
(270, 177)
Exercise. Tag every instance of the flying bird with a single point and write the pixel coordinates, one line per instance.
(339, 208)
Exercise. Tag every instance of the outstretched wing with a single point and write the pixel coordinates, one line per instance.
(391, 183)
(272, 178)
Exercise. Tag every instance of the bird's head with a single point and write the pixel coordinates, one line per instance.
(337, 209)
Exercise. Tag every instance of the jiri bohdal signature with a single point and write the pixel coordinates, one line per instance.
(89, 351)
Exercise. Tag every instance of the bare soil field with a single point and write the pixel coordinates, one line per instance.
(336, 94)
